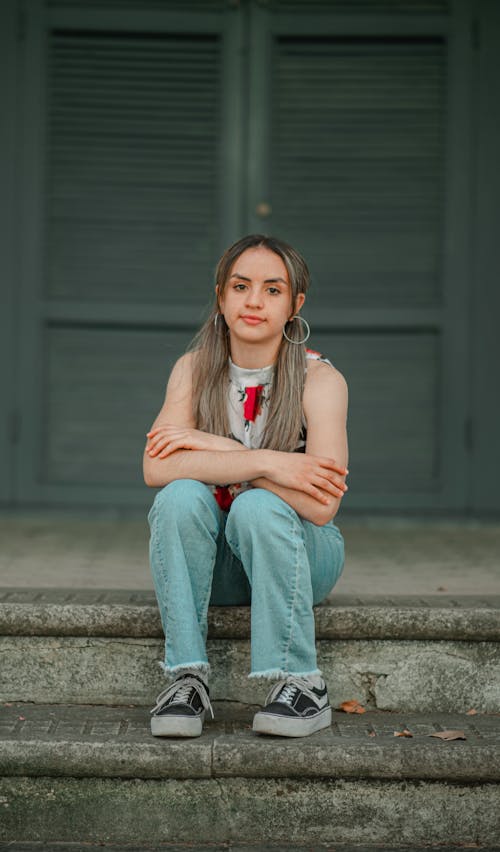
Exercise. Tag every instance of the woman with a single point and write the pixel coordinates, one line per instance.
(250, 451)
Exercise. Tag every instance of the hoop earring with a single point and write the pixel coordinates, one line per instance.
(308, 331)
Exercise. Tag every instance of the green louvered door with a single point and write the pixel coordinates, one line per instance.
(349, 162)
(139, 195)
(158, 132)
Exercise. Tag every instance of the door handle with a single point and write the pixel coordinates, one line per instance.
(263, 209)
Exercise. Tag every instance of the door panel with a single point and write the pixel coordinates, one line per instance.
(357, 165)
(165, 131)
(393, 413)
(354, 171)
(104, 390)
(133, 165)
(138, 114)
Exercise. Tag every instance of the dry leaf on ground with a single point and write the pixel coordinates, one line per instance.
(352, 707)
(471, 712)
(404, 733)
(449, 735)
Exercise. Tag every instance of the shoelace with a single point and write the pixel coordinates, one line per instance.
(288, 689)
(180, 690)
(288, 693)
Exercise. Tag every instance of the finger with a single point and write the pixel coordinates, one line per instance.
(329, 487)
(332, 464)
(153, 449)
(332, 485)
(154, 440)
(331, 473)
(162, 444)
(172, 447)
(336, 487)
(317, 494)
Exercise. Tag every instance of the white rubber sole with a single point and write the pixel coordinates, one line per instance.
(286, 726)
(177, 726)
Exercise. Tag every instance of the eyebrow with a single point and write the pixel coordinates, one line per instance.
(267, 280)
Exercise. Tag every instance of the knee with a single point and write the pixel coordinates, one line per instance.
(254, 508)
(182, 498)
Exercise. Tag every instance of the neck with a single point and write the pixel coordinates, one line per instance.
(252, 356)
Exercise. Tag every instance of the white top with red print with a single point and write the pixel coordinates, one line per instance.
(248, 404)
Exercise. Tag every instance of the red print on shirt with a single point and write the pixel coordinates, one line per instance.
(224, 497)
(252, 406)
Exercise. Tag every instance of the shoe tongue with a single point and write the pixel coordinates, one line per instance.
(193, 674)
(288, 693)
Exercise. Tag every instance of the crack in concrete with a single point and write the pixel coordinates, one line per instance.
(369, 681)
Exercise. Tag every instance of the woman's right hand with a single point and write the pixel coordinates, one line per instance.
(165, 439)
(314, 475)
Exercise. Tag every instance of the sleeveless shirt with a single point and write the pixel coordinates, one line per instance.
(248, 405)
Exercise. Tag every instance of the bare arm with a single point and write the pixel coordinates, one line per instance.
(309, 482)
(212, 462)
(325, 409)
(169, 455)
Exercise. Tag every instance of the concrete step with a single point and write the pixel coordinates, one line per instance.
(95, 775)
(435, 653)
(227, 847)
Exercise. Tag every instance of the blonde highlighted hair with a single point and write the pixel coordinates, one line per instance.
(212, 351)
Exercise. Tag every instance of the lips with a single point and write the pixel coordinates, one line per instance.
(251, 320)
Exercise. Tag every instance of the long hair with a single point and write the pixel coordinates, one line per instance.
(212, 350)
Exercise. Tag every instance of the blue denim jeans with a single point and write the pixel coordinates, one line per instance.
(260, 553)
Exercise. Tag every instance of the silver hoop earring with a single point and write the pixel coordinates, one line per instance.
(308, 331)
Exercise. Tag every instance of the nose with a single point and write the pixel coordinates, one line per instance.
(254, 297)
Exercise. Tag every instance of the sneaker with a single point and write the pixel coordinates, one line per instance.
(295, 707)
(180, 708)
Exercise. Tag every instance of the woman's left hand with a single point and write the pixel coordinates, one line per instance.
(165, 440)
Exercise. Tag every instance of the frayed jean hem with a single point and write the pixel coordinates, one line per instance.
(281, 674)
(172, 671)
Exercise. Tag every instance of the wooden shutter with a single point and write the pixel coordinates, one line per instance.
(357, 165)
(356, 177)
(133, 134)
(134, 125)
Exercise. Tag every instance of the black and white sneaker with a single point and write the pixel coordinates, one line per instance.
(295, 707)
(180, 708)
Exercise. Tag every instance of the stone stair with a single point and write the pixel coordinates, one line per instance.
(78, 674)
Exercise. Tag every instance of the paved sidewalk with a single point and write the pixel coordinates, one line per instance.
(384, 556)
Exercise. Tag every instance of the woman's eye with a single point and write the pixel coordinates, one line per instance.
(273, 290)
(239, 286)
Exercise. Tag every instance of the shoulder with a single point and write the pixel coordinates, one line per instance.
(325, 387)
(183, 367)
(324, 375)
(321, 373)
(180, 380)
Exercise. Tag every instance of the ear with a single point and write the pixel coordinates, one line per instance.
(299, 301)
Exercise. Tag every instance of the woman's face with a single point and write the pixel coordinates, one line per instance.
(257, 301)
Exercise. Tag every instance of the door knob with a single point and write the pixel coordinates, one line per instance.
(263, 209)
